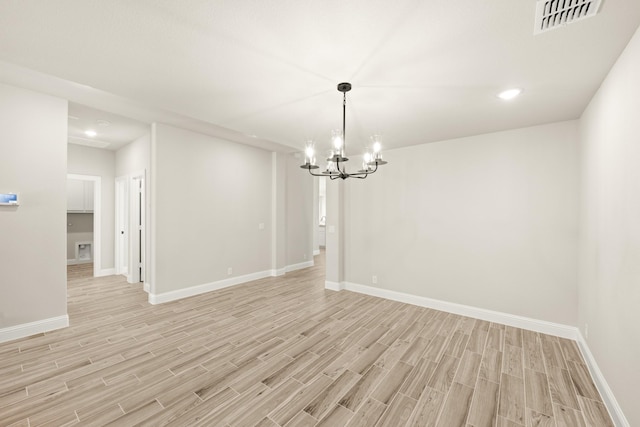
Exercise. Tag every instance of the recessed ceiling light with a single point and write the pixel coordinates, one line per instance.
(509, 94)
(90, 133)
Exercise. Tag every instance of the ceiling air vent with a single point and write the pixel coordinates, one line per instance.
(552, 14)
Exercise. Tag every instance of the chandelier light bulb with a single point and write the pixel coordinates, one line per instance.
(310, 153)
(337, 142)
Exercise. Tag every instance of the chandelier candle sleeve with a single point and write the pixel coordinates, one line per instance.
(336, 162)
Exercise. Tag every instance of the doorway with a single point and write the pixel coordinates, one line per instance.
(84, 194)
(131, 227)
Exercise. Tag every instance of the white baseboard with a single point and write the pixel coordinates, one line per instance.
(204, 288)
(105, 272)
(221, 284)
(545, 327)
(278, 272)
(607, 395)
(32, 328)
(550, 328)
(316, 252)
(146, 286)
(334, 286)
(299, 266)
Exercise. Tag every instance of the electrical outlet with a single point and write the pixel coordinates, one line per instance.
(586, 330)
(374, 279)
(229, 271)
(261, 226)
(304, 256)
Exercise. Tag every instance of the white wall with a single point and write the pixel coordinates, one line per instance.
(208, 198)
(488, 221)
(301, 220)
(134, 157)
(609, 290)
(93, 161)
(33, 149)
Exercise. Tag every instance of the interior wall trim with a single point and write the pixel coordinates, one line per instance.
(105, 272)
(299, 266)
(32, 328)
(615, 411)
(221, 284)
(206, 287)
(550, 328)
(543, 326)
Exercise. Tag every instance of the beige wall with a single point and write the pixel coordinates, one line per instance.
(609, 291)
(93, 161)
(488, 221)
(209, 196)
(33, 149)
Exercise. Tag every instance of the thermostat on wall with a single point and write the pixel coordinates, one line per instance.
(9, 199)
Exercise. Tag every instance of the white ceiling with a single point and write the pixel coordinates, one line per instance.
(119, 132)
(422, 70)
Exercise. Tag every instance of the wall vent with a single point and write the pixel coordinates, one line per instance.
(552, 14)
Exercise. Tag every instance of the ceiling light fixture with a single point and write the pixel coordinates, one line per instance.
(509, 94)
(335, 163)
(90, 133)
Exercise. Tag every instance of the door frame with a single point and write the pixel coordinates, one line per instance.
(97, 218)
(137, 244)
(122, 225)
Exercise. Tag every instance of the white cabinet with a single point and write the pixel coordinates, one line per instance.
(79, 195)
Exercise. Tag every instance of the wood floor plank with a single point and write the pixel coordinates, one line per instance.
(491, 365)
(368, 414)
(456, 407)
(302, 419)
(284, 351)
(392, 382)
(537, 419)
(429, 406)
(484, 406)
(303, 397)
(338, 416)
(363, 388)
(443, 375)
(467, 372)
(595, 413)
(561, 386)
(582, 381)
(567, 417)
(399, 411)
(330, 396)
(512, 400)
(537, 392)
(418, 379)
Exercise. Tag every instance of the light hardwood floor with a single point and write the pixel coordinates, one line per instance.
(286, 352)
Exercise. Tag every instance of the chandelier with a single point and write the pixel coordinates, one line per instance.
(335, 163)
